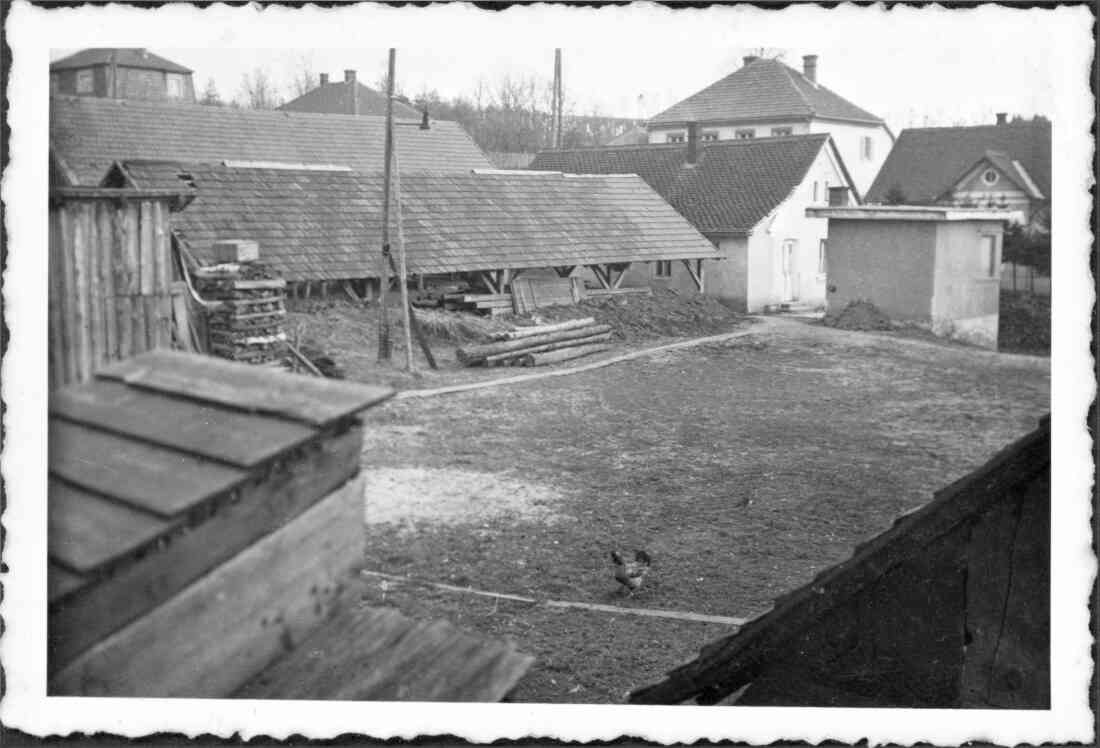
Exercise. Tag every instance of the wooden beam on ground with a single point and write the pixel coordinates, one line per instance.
(305, 361)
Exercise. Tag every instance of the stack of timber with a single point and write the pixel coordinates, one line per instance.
(540, 345)
(202, 517)
(248, 322)
(489, 303)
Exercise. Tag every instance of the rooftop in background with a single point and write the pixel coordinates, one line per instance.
(323, 224)
(763, 89)
(909, 213)
(732, 186)
(348, 96)
(925, 163)
(126, 57)
(90, 134)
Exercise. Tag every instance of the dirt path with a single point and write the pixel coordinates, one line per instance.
(743, 466)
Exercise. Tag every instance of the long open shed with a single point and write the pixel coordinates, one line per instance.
(324, 222)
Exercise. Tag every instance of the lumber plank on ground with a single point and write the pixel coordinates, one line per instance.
(158, 480)
(474, 298)
(563, 354)
(314, 401)
(262, 507)
(220, 631)
(223, 434)
(475, 354)
(526, 332)
(501, 358)
(644, 290)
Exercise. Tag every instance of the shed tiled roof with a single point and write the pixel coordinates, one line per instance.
(927, 162)
(91, 133)
(314, 225)
(731, 188)
(127, 57)
(763, 89)
(332, 98)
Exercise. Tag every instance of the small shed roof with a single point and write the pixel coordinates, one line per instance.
(149, 441)
(725, 665)
(324, 224)
(91, 133)
(126, 57)
(733, 185)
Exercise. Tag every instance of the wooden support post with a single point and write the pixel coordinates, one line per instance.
(504, 278)
(695, 275)
(702, 278)
(487, 277)
(602, 275)
(351, 292)
(384, 343)
(622, 274)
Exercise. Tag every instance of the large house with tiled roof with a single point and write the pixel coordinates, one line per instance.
(348, 96)
(766, 98)
(88, 135)
(1005, 165)
(749, 197)
(125, 73)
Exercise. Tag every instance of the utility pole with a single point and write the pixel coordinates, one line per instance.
(384, 343)
(555, 116)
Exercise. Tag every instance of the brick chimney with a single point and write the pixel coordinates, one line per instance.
(324, 79)
(353, 92)
(693, 143)
(809, 67)
(424, 124)
(1002, 118)
(749, 59)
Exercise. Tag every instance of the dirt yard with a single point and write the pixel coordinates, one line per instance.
(743, 468)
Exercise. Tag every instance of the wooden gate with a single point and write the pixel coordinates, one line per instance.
(110, 273)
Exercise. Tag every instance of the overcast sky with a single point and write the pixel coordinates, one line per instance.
(911, 66)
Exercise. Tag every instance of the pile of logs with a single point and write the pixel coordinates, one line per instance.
(246, 320)
(540, 345)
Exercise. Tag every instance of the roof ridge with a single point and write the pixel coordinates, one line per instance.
(798, 89)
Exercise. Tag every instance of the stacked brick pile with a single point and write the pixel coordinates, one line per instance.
(248, 321)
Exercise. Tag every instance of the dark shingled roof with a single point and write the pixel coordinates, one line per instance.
(733, 185)
(331, 98)
(315, 225)
(926, 162)
(763, 89)
(91, 133)
(131, 58)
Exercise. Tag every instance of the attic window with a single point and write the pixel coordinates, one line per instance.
(174, 85)
(84, 81)
(675, 137)
(781, 131)
(990, 177)
(709, 135)
(745, 134)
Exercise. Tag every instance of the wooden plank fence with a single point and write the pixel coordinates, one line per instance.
(111, 271)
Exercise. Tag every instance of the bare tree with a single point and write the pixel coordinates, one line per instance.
(210, 96)
(257, 91)
(303, 80)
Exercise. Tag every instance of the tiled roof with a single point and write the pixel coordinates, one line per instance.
(315, 225)
(131, 58)
(332, 98)
(927, 162)
(763, 89)
(91, 133)
(733, 185)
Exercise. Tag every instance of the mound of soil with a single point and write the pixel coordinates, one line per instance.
(1025, 323)
(666, 312)
(859, 315)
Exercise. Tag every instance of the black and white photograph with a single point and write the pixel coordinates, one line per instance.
(549, 371)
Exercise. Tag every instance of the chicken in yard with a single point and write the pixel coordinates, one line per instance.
(631, 573)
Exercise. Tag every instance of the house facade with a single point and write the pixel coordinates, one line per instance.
(938, 267)
(1005, 166)
(121, 74)
(766, 98)
(749, 197)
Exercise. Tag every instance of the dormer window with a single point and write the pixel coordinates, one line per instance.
(84, 81)
(675, 137)
(990, 177)
(174, 86)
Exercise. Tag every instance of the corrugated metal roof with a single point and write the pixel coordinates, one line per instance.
(91, 133)
(927, 162)
(314, 225)
(127, 57)
(763, 89)
(731, 188)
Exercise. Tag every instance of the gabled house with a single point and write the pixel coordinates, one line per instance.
(88, 135)
(1006, 165)
(347, 97)
(121, 74)
(749, 197)
(766, 98)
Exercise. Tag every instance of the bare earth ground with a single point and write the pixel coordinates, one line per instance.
(744, 468)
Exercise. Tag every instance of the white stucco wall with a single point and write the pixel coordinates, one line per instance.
(660, 134)
(848, 137)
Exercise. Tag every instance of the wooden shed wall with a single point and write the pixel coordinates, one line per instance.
(110, 283)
